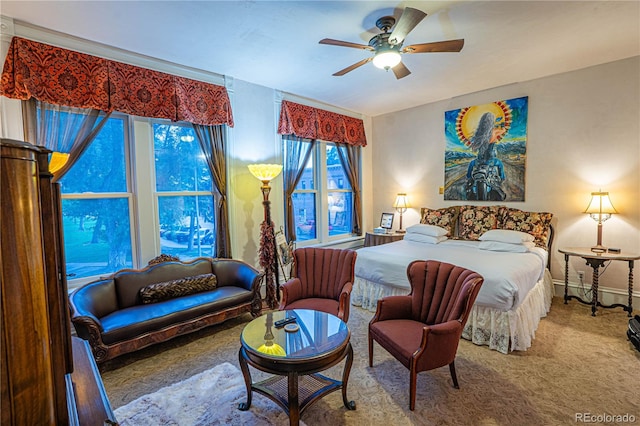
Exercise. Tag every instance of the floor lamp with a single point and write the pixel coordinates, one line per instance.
(268, 255)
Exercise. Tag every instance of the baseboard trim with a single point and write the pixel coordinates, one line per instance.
(606, 295)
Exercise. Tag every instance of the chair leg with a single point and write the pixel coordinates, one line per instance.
(370, 350)
(412, 389)
(452, 369)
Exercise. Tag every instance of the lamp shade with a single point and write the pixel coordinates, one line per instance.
(57, 161)
(386, 59)
(401, 203)
(265, 172)
(600, 206)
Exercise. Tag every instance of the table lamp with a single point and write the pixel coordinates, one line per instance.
(401, 205)
(600, 209)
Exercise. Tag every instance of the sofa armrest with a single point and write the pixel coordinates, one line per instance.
(236, 273)
(93, 301)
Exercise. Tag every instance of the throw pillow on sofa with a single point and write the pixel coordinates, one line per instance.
(157, 292)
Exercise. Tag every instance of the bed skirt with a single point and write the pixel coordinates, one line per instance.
(503, 331)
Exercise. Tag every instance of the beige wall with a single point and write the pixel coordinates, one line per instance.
(583, 134)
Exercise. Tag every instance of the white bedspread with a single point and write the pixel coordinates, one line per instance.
(508, 277)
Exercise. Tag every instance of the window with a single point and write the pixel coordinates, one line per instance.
(304, 201)
(183, 190)
(96, 205)
(116, 208)
(323, 198)
(339, 194)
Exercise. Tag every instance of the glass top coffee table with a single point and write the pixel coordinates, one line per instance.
(295, 355)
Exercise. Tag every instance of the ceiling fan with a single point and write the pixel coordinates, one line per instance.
(387, 46)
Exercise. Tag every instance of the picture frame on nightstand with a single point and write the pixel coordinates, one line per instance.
(386, 221)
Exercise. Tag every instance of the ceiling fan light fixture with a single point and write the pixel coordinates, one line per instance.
(386, 59)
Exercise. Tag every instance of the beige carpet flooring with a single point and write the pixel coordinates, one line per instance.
(579, 367)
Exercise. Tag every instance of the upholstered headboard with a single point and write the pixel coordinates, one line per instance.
(469, 222)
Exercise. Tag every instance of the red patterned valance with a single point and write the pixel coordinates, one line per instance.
(313, 123)
(64, 77)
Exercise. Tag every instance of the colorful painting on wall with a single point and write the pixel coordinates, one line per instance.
(486, 151)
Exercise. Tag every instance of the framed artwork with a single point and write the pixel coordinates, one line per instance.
(386, 221)
(486, 151)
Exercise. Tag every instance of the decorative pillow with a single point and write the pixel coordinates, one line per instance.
(158, 292)
(476, 220)
(422, 238)
(431, 230)
(506, 236)
(444, 218)
(500, 246)
(534, 223)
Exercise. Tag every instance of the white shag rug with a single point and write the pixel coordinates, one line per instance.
(208, 398)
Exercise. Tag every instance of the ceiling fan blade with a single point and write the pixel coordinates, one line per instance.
(408, 20)
(353, 67)
(401, 71)
(437, 46)
(333, 42)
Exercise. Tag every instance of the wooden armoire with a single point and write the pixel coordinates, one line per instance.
(47, 376)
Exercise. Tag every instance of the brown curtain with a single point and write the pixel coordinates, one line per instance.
(297, 155)
(212, 141)
(350, 159)
(62, 129)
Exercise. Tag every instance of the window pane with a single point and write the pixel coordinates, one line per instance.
(97, 236)
(186, 226)
(304, 207)
(336, 177)
(180, 163)
(101, 168)
(340, 213)
(307, 181)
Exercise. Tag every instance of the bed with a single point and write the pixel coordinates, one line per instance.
(509, 247)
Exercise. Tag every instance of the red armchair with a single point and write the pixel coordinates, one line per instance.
(422, 330)
(321, 280)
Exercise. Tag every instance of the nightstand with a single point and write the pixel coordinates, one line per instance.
(596, 260)
(372, 239)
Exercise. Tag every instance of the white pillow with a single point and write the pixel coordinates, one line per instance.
(432, 230)
(506, 236)
(421, 238)
(510, 247)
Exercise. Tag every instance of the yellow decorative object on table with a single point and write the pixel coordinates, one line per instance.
(271, 348)
(268, 347)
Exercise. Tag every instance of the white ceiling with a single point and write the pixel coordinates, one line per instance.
(275, 43)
